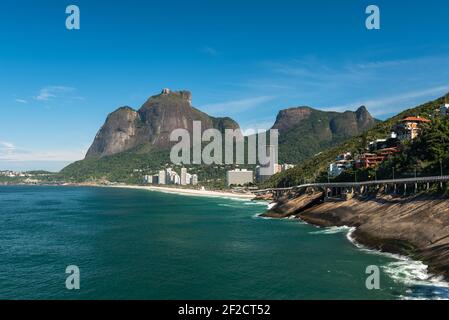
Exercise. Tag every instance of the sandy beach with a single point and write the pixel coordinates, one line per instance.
(190, 192)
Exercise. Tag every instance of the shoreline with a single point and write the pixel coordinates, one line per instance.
(413, 228)
(185, 191)
(404, 269)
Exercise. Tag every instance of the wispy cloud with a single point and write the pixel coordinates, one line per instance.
(384, 105)
(6, 146)
(11, 153)
(253, 127)
(209, 51)
(384, 86)
(21, 100)
(237, 106)
(53, 92)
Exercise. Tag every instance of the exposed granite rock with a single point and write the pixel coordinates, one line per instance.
(292, 206)
(122, 130)
(126, 128)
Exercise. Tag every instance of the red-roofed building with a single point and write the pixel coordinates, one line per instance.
(409, 127)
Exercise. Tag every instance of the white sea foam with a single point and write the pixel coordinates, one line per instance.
(332, 230)
(271, 205)
(412, 273)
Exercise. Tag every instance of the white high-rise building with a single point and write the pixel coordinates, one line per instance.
(148, 179)
(239, 177)
(183, 176)
(176, 179)
(194, 179)
(188, 178)
(162, 177)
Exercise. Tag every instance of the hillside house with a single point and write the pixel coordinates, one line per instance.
(409, 128)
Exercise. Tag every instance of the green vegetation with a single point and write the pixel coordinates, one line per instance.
(422, 157)
(320, 131)
(423, 154)
(116, 168)
(131, 166)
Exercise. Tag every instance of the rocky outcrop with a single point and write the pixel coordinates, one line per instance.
(292, 206)
(152, 124)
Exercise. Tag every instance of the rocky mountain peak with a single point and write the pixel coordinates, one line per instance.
(152, 124)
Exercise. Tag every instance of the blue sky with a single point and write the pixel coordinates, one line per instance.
(244, 59)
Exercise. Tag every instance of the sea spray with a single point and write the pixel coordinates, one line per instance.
(412, 273)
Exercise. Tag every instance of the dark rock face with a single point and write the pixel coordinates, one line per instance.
(126, 128)
(122, 130)
(304, 132)
(346, 123)
(289, 118)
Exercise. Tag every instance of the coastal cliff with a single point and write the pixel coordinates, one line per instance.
(416, 226)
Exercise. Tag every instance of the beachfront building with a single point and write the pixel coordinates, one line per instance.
(148, 179)
(194, 179)
(176, 179)
(162, 177)
(239, 177)
(188, 178)
(409, 128)
(183, 176)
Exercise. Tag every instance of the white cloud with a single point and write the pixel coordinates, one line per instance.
(21, 100)
(209, 51)
(254, 127)
(384, 86)
(385, 105)
(4, 145)
(52, 92)
(10, 153)
(237, 106)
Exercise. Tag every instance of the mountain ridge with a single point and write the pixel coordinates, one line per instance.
(126, 128)
(138, 139)
(305, 131)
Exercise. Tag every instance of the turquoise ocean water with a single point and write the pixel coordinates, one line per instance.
(137, 244)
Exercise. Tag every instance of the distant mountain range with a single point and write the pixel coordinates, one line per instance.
(304, 132)
(426, 159)
(129, 138)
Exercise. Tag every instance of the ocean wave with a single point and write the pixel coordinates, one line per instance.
(332, 230)
(259, 216)
(414, 274)
(289, 218)
(271, 205)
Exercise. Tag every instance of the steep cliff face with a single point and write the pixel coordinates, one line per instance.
(305, 132)
(152, 124)
(288, 118)
(122, 130)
